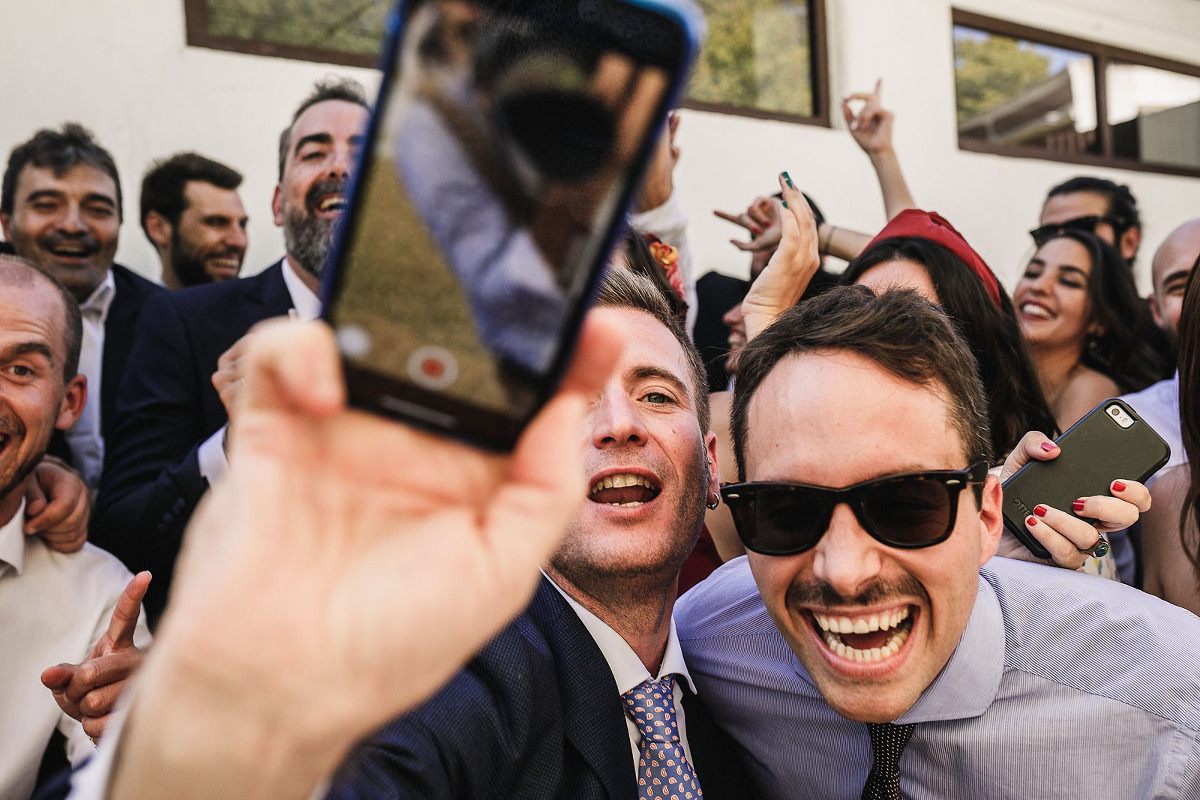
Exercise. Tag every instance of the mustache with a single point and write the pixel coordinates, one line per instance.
(57, 238)
(819, 593)
(321, 188)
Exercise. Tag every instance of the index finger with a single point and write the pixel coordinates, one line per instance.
(125, 614)
(1034, 446)
(734, 218)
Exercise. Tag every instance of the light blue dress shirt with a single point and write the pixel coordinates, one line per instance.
(1062, 686)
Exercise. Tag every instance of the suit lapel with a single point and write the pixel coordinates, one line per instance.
(593, 717)
(267, 295)
(119, 329)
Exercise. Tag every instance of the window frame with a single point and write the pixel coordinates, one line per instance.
(199, 35)
(1102, 55)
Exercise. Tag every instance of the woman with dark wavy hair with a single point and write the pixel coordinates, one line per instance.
(1080, 313)
(983, 315)
(1171, 529)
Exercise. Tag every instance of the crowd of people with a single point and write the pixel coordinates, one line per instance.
(349, 614)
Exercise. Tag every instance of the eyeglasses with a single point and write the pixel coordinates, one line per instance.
(907, 511)
(1087, 224)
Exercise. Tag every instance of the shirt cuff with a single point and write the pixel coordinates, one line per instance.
(211, 455)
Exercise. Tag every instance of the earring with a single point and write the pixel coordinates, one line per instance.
(712, 504)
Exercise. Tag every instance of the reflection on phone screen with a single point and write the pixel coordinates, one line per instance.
(502, 148)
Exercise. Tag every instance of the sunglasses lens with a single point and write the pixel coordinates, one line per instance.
(908, 512)
(781, 520)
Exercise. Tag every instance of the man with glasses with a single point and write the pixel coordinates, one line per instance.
(1095, 205)
(868, 595)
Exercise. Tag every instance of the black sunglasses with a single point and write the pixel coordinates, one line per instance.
(1087, 224)
(908, 511)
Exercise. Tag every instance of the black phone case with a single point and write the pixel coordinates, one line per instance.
(1095, 452)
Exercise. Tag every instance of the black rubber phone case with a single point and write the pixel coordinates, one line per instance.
(1095, 452)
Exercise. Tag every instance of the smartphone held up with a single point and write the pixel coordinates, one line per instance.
(504, 149)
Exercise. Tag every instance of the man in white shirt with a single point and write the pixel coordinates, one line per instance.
(56, 606)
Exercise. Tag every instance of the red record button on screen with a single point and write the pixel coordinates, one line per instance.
(432, 367)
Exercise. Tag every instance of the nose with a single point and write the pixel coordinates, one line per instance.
(615, 421)
(846, 557)
(237, 238)
(71, 219)
(733, 316)
(342, 162)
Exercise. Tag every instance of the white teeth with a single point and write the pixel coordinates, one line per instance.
(1034, 310)
(620, 482)
(861, 624)
(894, 643)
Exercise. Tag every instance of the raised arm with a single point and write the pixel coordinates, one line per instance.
(871, 128)
(344, 568)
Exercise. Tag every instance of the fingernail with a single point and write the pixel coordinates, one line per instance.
(785, 203)
(788, 178)
(755, 229)
(1077, 505)
(1039, 510)
(1118, 486)
(1031, 521)
(1049, 447)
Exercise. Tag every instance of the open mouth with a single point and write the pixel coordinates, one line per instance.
(1036, 311)
(331, 204)
(625, 489)
(71, 250)
(865, 639)
(225, 263)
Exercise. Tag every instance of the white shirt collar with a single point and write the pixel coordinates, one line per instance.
(627, 669)
(12, 541)
(304, 300)
(100, 300)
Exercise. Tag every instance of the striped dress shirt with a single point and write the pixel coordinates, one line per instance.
(1062, 686)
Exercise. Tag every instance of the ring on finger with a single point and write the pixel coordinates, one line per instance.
(1100, 548)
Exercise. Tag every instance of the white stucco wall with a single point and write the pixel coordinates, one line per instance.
(122, 68)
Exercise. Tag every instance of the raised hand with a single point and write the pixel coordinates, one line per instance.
(345, 568)
(763, 219)
(88, 691)
(871, 127)
(790, 269)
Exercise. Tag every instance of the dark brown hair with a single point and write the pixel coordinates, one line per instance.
(59, 151)
(899, 330)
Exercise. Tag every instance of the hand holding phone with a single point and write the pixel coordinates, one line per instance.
(1092, 474)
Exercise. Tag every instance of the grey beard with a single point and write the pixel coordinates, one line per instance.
(308, 240)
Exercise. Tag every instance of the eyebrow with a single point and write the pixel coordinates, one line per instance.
(57, 194)
(28, 348)
(324, 138)
(1179, 274)
(649, 372)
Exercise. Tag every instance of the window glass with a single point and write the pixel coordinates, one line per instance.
(354, 27)
(1154, 114)
(758, 56)
(1017, 92)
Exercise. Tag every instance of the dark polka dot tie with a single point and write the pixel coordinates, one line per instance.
(663, 771)
(887, 743)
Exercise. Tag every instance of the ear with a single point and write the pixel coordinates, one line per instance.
(1130, 240)
(991, 518)
(72, 404)
(714, 468)
(277, 205)
(4, 226)
(158, 230)
(1155, 312)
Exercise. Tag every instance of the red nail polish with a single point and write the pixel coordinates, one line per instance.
(1031, 521)
(1049, 447)
(1077, 505)
(1039, 510)
(1118, 486)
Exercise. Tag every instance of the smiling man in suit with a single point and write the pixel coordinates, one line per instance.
(551, 707)
(60, 208)
(168, 445)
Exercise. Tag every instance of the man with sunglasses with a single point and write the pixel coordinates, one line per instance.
(868, 595)
(1095, 205)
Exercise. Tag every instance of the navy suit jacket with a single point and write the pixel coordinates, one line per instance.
(165, 409)
(535, 714)
(132, 292)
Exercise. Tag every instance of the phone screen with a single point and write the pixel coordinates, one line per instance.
(502, 152)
